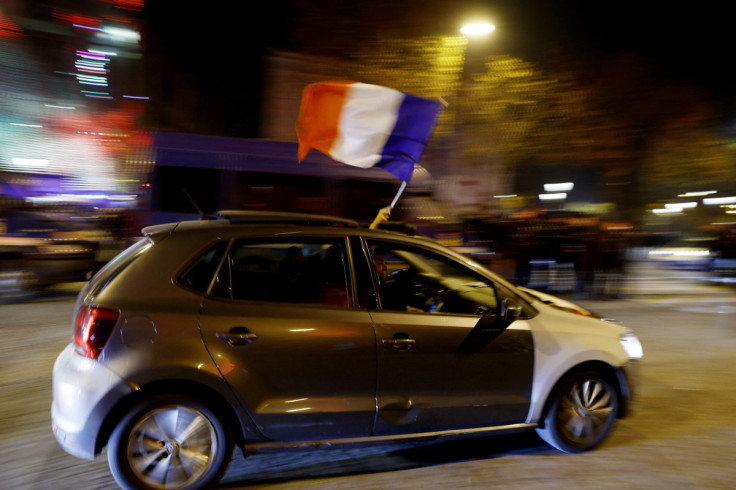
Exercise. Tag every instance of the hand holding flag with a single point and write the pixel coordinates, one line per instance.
(365, 125)
(383, 215)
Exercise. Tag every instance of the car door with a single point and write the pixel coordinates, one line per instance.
(437, 370)
(281, 325)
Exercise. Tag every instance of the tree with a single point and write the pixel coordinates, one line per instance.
(490, 113)
(618, 115)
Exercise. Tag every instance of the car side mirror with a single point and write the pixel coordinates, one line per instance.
(498, 320)
(511, 313)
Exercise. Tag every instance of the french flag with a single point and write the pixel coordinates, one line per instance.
(365, 125)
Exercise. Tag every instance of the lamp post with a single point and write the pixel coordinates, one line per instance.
(475, 33)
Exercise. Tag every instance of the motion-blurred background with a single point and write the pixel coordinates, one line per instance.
(578, 138)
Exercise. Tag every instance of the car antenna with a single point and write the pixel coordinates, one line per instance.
(202, 214)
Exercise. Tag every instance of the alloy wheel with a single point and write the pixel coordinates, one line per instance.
(585, 411)
(171, 447)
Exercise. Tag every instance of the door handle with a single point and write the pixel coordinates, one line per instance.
(400, 343)
(237, 336)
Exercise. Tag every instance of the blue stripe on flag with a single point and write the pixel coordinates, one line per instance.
(414, 124)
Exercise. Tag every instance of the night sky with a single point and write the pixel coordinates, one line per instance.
(693, 41)
(689, 42)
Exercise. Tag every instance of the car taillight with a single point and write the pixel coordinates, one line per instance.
(93, 328)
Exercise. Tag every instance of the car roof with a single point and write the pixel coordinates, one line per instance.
(262, 220)
(282, 217)
(274, 222)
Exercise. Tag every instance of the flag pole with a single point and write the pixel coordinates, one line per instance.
(396, 197)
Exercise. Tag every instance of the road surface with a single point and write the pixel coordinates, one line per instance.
(680, 436)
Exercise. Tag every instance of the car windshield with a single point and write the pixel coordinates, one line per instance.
(443, 272)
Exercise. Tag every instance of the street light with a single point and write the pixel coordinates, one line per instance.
(475, 32)
(475, 29)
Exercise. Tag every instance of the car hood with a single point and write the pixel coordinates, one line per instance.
(564, 305)
(558, 303)
(563, 322)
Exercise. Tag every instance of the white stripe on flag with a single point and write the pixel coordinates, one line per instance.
(367, 119)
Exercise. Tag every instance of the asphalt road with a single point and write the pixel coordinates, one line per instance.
(681, 434)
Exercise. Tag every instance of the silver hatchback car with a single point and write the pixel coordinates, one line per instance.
(279, 329)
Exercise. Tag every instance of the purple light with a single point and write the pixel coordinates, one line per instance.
(87, 27)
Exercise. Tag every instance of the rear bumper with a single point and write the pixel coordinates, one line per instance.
(84, 391)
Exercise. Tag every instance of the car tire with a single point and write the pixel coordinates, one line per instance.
(169, 441)
(582, 413)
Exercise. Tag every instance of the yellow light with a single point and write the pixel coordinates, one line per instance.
(696, 194)
(720, 200)
(477, 28)
(553, 197)
(682, 205)
(559, 187)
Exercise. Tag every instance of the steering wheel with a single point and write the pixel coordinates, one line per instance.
(431, 293)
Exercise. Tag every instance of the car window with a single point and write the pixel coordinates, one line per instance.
(419, 280)
(311, 272)
(199, 274)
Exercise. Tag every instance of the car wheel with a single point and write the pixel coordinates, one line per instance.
(169, 442)
(582, 413)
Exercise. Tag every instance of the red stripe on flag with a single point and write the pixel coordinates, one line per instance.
(319, 114)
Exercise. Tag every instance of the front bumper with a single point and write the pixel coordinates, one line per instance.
(84, 392)
(627, 379)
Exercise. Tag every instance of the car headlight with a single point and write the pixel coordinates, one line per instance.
(631, 345)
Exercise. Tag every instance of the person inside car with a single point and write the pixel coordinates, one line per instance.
(397, 291)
